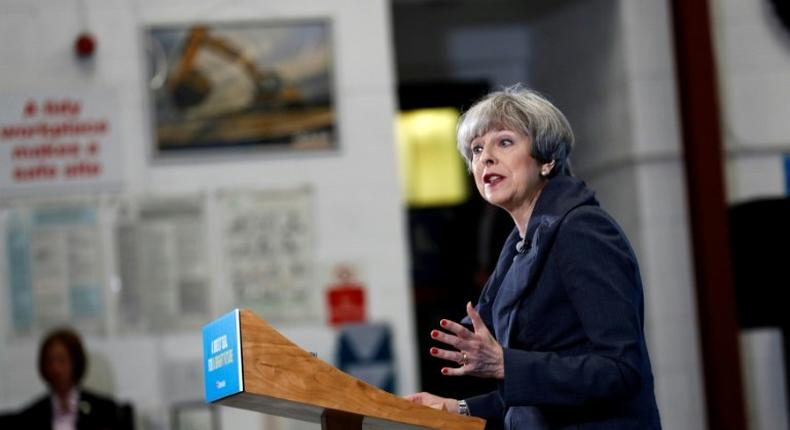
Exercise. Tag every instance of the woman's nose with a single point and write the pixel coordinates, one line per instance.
(487, 156)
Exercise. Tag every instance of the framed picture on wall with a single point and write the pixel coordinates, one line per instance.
(241, 86)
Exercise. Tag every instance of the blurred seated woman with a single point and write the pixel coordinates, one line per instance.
(62, 363)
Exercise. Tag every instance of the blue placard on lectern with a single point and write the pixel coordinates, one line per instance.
(222, 357)
(787, 174)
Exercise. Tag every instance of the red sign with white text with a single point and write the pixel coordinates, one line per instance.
(345, 298)
(51, 141)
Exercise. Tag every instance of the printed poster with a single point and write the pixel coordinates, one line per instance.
(268, 252)
(163, 265)
(55, 268)
(54, 140)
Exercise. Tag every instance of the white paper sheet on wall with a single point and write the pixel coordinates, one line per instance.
(267, 252)
(55, 269)
(65, 138)
(163, 265)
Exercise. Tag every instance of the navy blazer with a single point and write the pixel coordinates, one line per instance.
(566, 304)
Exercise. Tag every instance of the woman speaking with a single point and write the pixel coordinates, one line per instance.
(559, 324)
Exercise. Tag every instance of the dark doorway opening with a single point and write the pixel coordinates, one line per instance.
(453, 248)
(760, 235)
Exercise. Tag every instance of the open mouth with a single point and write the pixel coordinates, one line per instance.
(492, 179)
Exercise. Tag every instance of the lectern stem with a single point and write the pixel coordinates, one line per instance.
(336, 420)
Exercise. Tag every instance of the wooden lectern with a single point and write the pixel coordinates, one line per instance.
(279, 378)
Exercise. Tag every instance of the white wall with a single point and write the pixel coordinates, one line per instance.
(753, 55)
(667, 257)
(359, 212)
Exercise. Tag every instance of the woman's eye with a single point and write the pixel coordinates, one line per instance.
(506, 142)
(476, 149)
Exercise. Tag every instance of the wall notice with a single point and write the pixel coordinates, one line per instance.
(55, 267)
(58, 140)
(268, 252)
(163, 264)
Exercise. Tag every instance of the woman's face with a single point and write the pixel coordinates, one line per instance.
(58, 367)
(505, 173)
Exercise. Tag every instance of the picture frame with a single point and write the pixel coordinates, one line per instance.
(241, 86)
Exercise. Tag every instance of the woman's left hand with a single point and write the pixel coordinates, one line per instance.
(478, 353)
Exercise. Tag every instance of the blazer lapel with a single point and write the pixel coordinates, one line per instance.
(521, 277)
(491, 288)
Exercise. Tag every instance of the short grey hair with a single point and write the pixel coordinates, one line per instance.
(521, 109)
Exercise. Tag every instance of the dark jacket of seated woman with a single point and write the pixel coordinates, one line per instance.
(61, 364)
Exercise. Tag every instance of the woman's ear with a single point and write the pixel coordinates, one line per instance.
(545, 169)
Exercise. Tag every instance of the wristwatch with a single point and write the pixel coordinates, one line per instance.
(463, 408)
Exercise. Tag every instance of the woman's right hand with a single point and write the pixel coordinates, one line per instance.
(433, 401)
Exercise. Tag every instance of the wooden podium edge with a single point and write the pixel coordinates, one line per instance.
(282, 379)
